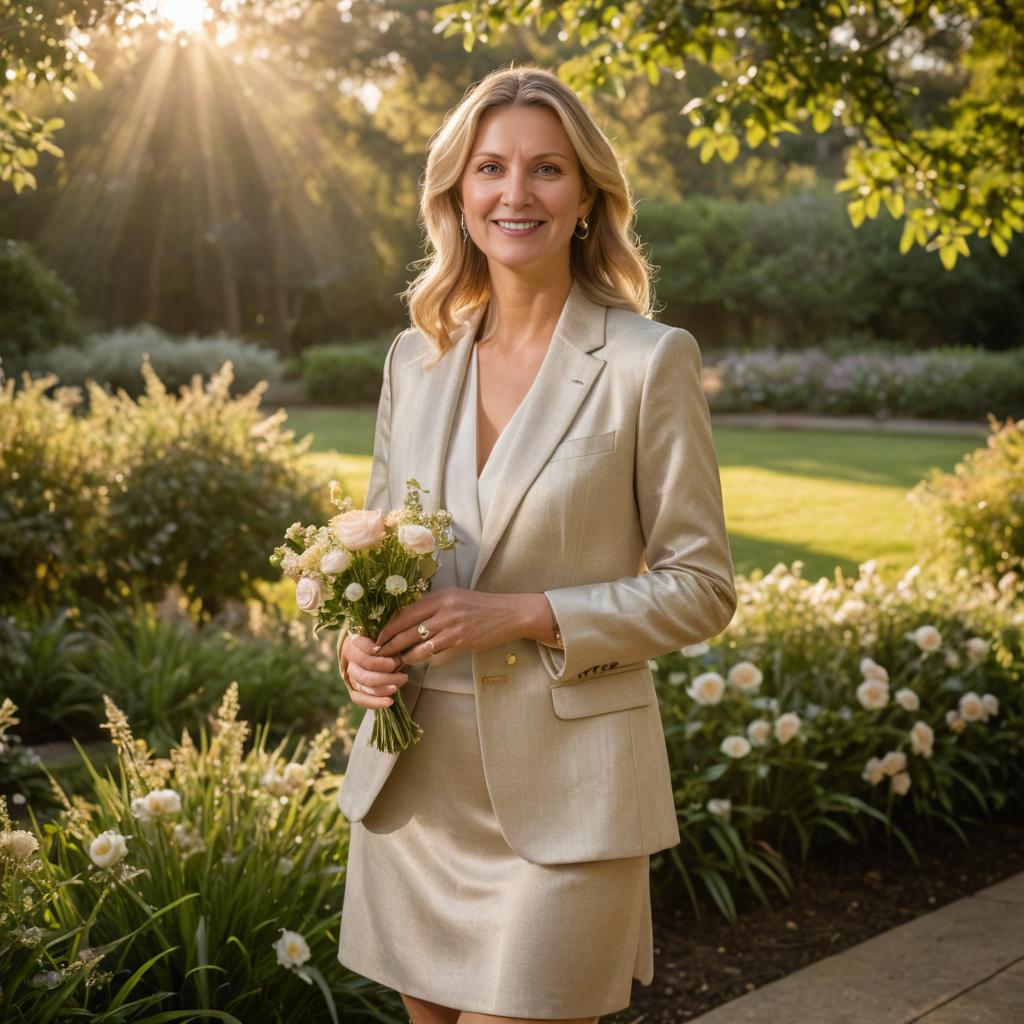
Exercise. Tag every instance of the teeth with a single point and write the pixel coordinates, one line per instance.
(513, 226)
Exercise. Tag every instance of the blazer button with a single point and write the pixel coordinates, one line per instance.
(510, 659)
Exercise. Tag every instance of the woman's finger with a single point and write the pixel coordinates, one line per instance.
(377, 682)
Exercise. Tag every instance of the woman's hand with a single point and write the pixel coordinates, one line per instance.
(458, 620)
(369, 677)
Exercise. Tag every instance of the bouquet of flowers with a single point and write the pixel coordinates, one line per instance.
(359, 570)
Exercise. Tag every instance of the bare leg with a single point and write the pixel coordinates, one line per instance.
(469, 1017)
(423, 1012)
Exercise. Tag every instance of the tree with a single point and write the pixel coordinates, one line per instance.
(759, 68)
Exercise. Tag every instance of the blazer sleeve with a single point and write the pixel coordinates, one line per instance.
(377, 489)
(688, 592)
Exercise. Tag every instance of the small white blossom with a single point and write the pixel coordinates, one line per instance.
(745, 675)
(894, 762)
(758, 731)
(922, 739)
(977, 649)
(354, 592)
(18, 844)
(396, 584)
(900, 783)
(907, 699)
(720, 807)
(972, 708)
(335, 562)
(787, 726)
(990, 702)
(928, 638)
(735, 746)
(872, 670)
(292, 949)
(108, 848)
(873, 694)
(707, 688)
(873, 772)
(677, 678)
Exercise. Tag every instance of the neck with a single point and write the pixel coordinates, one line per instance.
(522, 311)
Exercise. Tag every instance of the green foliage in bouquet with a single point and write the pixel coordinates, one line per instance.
(359, 570)
(206, 885)
(974, 516)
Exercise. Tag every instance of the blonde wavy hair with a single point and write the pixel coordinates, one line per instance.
(608, 265)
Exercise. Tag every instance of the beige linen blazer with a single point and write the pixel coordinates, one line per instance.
(612, 506)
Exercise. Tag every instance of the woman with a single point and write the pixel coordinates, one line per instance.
(500, 866)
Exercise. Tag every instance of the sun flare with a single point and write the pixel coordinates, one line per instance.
(185, 16)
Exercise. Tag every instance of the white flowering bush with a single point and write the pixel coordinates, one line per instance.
(205, 885)
(837, 708)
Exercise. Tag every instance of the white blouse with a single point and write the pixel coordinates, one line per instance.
(468, 499)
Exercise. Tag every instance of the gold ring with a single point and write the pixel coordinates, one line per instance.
(423, 631)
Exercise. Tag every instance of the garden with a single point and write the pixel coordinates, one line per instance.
(192, 340)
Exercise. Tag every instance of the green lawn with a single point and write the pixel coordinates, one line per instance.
(827, 497)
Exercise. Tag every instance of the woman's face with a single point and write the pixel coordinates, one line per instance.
(522, 170)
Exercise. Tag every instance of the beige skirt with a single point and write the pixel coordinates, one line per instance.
(438, 906)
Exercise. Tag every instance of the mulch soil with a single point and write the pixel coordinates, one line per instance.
(842, 898)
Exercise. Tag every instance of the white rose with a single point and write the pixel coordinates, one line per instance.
(873, 772)
(758, 731)
(354, 592)
(990, 702)
(417, 540)
(872, 670)
(745, 675)
(335, 562)
(18, 844)
(735, 746)
(309, 594)
(108, 848)
(972, 708)
(707, 688)
(894, 762)
(787, 726)
(162, 801)
(928, 638)
(696, 650)
(922, 739)
(360, 529)
(723, 808)
(396, 584)
(977, 649)
(292, 949)
(873, 694)
(907, 699)
(900, 783)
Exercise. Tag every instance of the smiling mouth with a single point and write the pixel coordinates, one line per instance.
(518, 225)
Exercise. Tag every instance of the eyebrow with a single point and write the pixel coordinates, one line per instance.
(537, 156)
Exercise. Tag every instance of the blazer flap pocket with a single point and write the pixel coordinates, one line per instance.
(613, 691)
(588, 445)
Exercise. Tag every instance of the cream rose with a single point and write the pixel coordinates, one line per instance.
(396, 584)
(354, 592)
(873, 772)
(18, 844)
(309, 594)
(758, 731)
(735, 746)
(360, 529)
(907, 699)
(108, 848)
(417, 540)
(872, 670)
(972, 708)
(900, 783)
(292, 949)
(922, 739)
(707, 688)
(745, 675)
(873, 694)
(894, 762)
(335, 562)
(928, 638)
(787, 726)
(156, 803)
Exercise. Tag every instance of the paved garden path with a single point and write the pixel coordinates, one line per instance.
(960, 964)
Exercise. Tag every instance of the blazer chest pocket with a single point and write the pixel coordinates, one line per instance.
(630, 687)
(591, 444)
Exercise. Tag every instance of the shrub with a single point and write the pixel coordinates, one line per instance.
(37, 310)
(115, 360)
(974, 516)
(164, 893)
(775, 753)
(344, 374)
(194, 490)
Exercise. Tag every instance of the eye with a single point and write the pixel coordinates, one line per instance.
(484, 166)
(553, 167)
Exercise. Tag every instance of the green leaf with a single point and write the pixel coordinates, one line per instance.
(894, 204)
(821, 121)
(856, 212)
(755, 135)
(947, 254)
(707, 151)
(907, 238)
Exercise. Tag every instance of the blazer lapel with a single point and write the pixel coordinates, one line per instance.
(562, 384)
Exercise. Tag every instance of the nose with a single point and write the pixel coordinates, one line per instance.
(517, 188)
